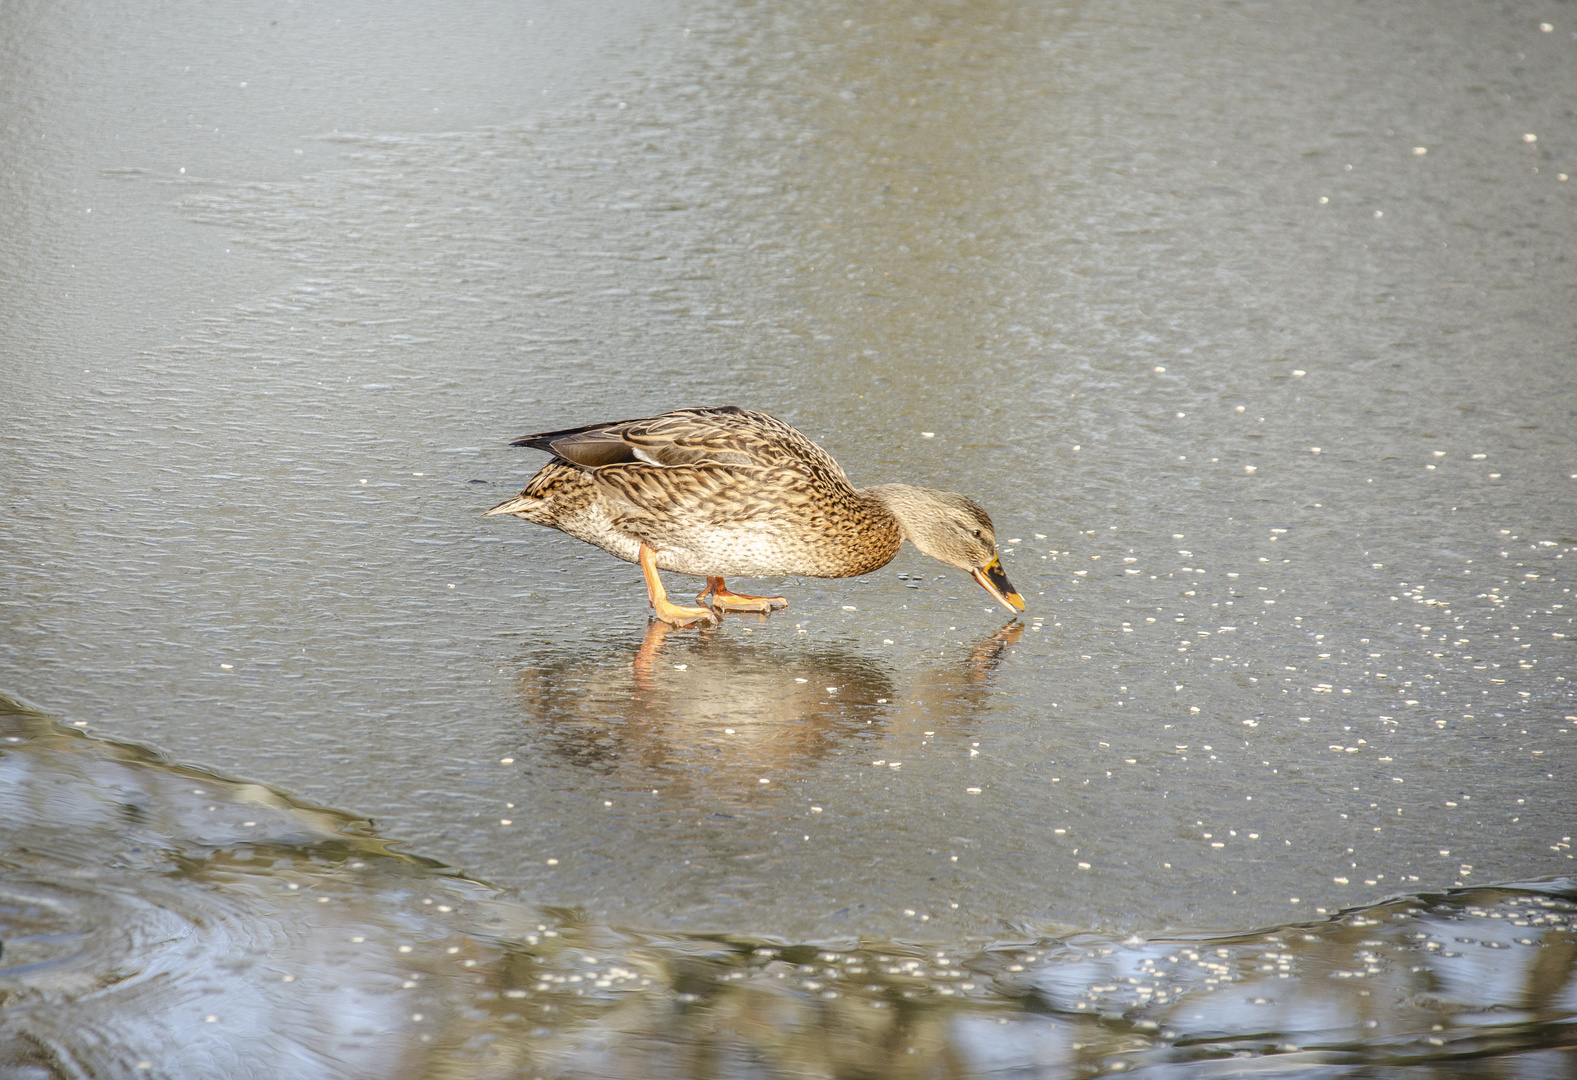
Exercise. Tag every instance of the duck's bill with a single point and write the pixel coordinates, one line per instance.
(995, 582)
(513, 506)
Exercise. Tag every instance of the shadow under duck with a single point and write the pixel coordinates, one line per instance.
(726, 492)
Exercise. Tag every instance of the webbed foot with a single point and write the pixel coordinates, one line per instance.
(717, 595)
(672, 614)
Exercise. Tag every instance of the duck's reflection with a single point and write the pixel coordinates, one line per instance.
(721, 709)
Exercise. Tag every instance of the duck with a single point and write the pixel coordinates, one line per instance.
(721, 491)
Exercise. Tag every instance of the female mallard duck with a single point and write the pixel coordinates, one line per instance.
(725, 492)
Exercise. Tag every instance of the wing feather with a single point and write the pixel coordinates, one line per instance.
(725, 435)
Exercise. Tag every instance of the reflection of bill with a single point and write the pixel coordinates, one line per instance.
(716, 711)
(987, 655)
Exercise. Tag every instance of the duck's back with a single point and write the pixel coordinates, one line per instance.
(716, 492)
(724, 435)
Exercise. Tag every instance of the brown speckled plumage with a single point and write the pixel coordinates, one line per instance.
(726, 492)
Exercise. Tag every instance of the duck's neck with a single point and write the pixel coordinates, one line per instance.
(902, 502)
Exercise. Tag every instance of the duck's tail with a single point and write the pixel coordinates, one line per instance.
(558, 491)
(515, 504)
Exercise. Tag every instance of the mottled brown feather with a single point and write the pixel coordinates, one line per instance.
(724, 492)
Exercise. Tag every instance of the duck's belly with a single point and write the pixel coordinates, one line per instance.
(717, 552)
(760, 551)
(595, 526)
(727, 549)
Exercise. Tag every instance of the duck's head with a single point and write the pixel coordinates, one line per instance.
(952, 529)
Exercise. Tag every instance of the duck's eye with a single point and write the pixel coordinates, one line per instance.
(978, 534)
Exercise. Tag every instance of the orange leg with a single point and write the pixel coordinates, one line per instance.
(723, 600)
(668, 613)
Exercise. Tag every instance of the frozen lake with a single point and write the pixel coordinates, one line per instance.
(1251, 325)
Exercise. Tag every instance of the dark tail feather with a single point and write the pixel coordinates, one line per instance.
(543, 440)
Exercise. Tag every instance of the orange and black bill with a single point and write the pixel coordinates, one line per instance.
(995, 582)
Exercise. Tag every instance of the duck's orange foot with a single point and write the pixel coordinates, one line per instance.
(674, 615)
(718, 596)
